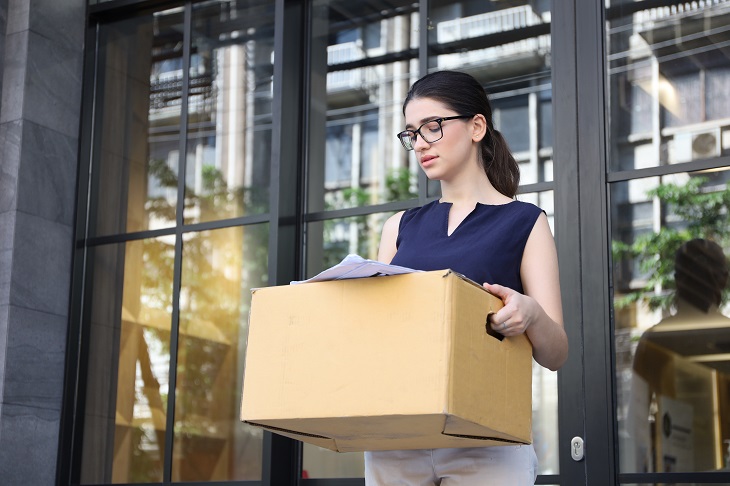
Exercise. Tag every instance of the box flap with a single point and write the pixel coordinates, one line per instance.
(389, 432)
(457, 427)
(318, 440)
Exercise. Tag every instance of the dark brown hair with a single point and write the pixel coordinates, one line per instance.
(701, 273)
(464, 95)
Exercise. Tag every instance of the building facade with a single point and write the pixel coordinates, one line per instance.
(159, 159)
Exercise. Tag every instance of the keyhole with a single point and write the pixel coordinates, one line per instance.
(577, 449)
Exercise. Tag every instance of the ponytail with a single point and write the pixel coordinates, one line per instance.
(499, 164)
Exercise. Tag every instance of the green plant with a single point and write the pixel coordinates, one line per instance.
(399, 185)
(703, 213)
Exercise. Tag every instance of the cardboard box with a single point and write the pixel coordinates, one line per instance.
(382, 363)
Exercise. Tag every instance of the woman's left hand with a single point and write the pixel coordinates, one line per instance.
(516, 315)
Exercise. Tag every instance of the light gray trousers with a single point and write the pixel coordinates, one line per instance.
(477, 466)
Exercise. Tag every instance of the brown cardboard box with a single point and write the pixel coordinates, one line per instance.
(687, 436)
(397, 362)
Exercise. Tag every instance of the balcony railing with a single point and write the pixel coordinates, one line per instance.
(682, 9)
(487, 23)
(358, 78)
(539, 47)
(345, 52)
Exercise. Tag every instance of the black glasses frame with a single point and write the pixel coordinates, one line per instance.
(408, 137)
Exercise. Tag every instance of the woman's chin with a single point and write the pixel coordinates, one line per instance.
(432, 173)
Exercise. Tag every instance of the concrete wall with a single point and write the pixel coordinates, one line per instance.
(41, 67)
(3, 23)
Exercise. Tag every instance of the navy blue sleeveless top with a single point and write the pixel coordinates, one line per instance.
(486, 247)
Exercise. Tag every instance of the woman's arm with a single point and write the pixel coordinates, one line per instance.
(387, 248)
(539, 311)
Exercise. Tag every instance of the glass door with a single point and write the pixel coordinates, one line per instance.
(669, 190)
(641, 111)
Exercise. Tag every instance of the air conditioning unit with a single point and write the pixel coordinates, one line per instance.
(690, 146)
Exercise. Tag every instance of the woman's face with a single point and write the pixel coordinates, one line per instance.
(447, 157)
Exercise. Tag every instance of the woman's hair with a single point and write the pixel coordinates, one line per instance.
(701, 273)
(464, 95)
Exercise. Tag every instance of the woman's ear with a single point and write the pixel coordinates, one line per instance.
(479, 124)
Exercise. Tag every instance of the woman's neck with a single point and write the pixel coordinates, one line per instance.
(470, 190)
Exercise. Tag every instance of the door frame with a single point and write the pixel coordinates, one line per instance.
(586, 383)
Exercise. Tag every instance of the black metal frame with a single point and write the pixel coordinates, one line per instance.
(67, 462)
(567, 235)
(282, 456)
(594, 268)
(662, 170)
(582, 177)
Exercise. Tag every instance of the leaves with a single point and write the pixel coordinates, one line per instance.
(694, 210)
(400, 185)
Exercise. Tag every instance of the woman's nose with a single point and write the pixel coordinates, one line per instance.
(420, 142)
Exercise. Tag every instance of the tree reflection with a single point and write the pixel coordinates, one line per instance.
(219, 268)
(400, 185)
(694, 212)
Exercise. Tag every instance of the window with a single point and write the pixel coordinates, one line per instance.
(176, 248)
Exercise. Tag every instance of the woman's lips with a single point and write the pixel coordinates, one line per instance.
(427, 160)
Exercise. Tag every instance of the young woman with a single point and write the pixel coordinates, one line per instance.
(478, 229)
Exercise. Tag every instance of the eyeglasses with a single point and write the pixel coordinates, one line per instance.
(433, 132)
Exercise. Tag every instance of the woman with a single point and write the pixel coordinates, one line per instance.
(478, 229)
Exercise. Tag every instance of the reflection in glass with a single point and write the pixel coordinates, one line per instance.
(140, 83)
(506, 46)
(545, 419)
(323, 463)
(129, 357)
(363, 54)
(229, 110)
(219, 269)
(669, 82)
(334, 239)
(671, 242)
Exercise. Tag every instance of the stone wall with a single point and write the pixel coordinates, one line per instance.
(41, 56)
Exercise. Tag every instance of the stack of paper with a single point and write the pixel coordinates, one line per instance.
(355, 266)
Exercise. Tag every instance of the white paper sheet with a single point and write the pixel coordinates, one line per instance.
(355, 266)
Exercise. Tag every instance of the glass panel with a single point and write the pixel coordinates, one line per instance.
(129, 357)
(323, 463)
(669, 82)
(333, 241)
(506, 46)
(363, 54)
(219, 269)
(671, 241)
(229, 117)
(140, 82)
